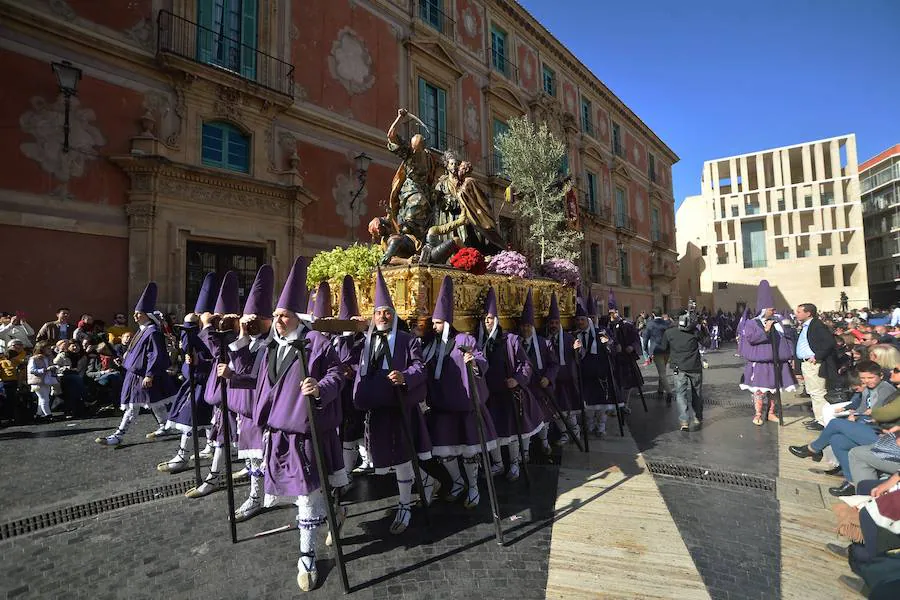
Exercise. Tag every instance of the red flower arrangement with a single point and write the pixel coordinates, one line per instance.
(469, 259)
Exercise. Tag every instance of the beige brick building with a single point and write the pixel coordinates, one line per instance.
(791, 215)
(879, 179)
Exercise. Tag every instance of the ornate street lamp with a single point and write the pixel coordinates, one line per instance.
(67, 76)
(362, 162)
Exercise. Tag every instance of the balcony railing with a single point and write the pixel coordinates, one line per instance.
(438, 140)
(503, 65)
(589, 203)
(495, 166)
(588, 128)
(624, 222)
(428, 12)
(186, 39)
(662, 240)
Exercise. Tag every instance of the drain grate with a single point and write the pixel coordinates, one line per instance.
(68, 514)
(743, 480)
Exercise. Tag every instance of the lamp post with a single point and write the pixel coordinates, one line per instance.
(362, 162)
(67, 76)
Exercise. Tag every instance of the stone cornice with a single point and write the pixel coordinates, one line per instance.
(156, 174)
(547, 41)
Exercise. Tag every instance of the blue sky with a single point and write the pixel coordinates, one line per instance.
(715, 79)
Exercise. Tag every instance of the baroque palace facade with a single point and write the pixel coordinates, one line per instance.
(220, 134)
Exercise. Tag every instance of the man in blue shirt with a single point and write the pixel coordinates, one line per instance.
(816, 358)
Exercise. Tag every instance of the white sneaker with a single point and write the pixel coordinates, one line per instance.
(251, 507)
(110, 440)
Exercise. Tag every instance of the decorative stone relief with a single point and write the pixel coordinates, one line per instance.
(639, 205)
(140, 215)
(141, 33)
(343, 191)
(159, 106)
(470, 22)
(528, 67)
(228, 103)
(350, 62)
(45, 124)
(604, 128)
(636, 154)
(217, 196)
(471, 120)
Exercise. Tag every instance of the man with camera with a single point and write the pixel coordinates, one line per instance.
(682, 344)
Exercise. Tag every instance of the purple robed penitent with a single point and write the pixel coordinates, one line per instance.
(290, 465)
(373, 392)
(245, 361)
(506, 359)
(567, 387)
(549, 368)
(597, 386)
(451, 419)
(180, 415)
(756, 349)
(147, 357)
(625, 335)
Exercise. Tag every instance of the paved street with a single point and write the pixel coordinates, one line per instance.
(714, 528)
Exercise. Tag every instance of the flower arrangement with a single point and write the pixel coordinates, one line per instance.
(358, 261)
(469, 259)
(562, 270)
(510, 262)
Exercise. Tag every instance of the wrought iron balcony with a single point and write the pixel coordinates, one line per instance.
(495, 166)
(624, 223)
(177, 36)
(660, 240)
(429, 13)
(501, 63)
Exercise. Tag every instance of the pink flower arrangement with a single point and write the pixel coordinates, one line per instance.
(562, 270)
(510, 262)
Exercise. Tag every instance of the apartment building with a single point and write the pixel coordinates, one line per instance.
(879, 181)
(220, 134)
(791, 215)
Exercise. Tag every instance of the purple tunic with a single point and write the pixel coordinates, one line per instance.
(759, 372)
(147, 356)
(349, 348)
(567, 389)
(212, 394)
(625, 335)
(550, 362)
(506, 359)
(242, 394)
(382, 400)
(282, 410)
(597, 386)
(180, 415)
(451, 419)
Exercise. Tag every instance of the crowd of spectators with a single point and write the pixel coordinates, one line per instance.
(63, 370)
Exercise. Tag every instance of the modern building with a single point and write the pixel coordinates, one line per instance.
(158, 139)
(791, 215)
(879, 181)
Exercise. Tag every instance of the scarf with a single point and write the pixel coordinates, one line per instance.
(367, 348)
(533, 341)
(432, 348)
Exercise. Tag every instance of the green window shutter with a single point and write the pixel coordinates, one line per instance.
(423, 101)
(204, 30)
(248, 38)
(441, 133)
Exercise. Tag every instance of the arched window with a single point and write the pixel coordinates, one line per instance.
(224, 146)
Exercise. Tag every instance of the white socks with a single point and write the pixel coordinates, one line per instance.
(514, 450)
(256, 477)
(405, 480)
(218, 460)
(470, 464)
(350, 453)
(310, 514)
(542, 434)
(127, 418)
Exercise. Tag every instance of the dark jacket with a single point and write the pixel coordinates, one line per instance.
(653, 333)
(683, 348)
(821, 342)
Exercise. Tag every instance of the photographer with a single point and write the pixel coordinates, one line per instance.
(682, 343)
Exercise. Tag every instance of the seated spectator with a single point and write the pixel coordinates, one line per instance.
(103, 376)
(886, 355)
(122, 346)
(118, 327)
(42, 378)
(71, 375)
(15, 327)
(858, 429)
(84, 329)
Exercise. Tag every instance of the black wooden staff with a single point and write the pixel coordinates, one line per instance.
(616, 389)
(329, 493)
(637, 374)
(485, 457)
(404, 425)
(554, 408)
(584, 423)
(226, 432)
(185, 355)
(515, 395)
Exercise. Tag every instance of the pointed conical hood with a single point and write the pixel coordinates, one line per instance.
(764, 297)
(611, 301)
(382, 294)
(259, 300)
(490, 302)
(293, 294)
(206, 299)
(580, 310)
(527, 317)
(310, 302)
(349, 305)
(147, 302)
(322, 309)
(443, 308)
(228, 302)
(554, 308)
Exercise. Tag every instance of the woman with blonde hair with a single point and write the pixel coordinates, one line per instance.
(42, 377)
(886, 355)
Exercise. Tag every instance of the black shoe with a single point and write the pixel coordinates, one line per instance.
(838, 550)
(835, 472)
(845, 489)
(815, 426)
(854, 584)
(805, 452)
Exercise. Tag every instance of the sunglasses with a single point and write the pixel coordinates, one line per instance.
(896, 369)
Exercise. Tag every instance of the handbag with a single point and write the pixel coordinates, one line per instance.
(886, 448)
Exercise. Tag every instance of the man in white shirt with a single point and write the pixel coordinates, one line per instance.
(15, 328)
(895, 315)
